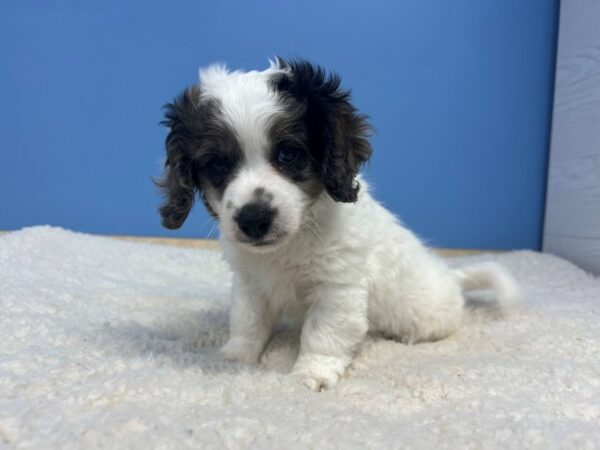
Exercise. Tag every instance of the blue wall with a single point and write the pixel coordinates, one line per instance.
(459, 92)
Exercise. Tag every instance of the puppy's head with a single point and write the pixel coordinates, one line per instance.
(259, 148)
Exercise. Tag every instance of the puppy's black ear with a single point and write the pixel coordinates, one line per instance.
(177, 184)
(338, 132)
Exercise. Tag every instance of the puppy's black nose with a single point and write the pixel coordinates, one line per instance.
(255, 219)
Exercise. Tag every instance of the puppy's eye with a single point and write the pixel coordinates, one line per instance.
(218, 168)
(218, 165)
(286, 155)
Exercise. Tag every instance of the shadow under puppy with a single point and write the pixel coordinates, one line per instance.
(275, 155)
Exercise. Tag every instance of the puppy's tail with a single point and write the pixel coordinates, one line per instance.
(490, 276)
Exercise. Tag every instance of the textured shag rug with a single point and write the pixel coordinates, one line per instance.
(112, 344)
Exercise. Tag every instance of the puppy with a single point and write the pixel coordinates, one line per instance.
(274, 156)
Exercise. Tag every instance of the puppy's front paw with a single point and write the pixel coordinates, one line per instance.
(241, 350)
(316, 383)
(319, 372)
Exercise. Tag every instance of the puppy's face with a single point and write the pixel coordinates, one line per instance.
(260, 148)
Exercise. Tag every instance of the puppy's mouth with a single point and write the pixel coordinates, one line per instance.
(262, 245)
(265, 243)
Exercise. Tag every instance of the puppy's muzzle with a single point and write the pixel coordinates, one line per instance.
(255, 219)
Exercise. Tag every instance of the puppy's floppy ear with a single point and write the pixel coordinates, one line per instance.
(177, 184)
(338, 132)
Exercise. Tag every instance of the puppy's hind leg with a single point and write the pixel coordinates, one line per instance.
(430, 313)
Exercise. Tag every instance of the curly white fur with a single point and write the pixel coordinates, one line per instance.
(350, 269)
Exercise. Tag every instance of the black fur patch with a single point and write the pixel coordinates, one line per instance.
(321, 118)
(289, 130)
(202, 154)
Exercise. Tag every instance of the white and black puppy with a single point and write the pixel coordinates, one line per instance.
(275, 157)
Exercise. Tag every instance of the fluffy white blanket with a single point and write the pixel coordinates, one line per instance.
(110, 344)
